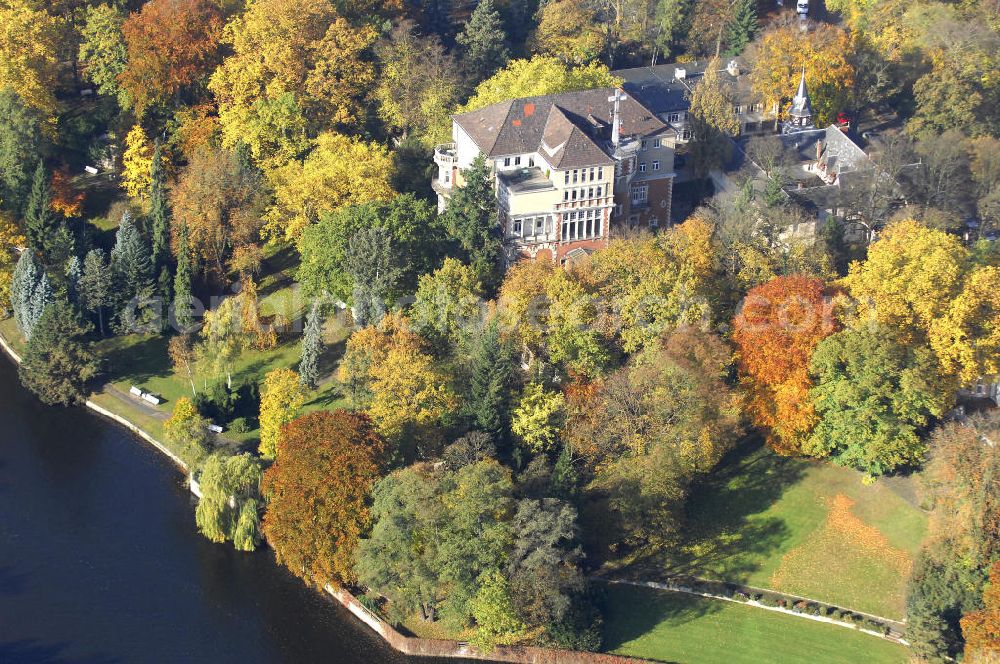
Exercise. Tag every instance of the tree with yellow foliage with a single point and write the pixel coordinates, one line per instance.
(368, 347)
(568, 30)
(186, 432)
(11, 238)
(541, 75)
(280, 400)
(655, 283)
(296, 68)
(522, 305)
(966, 338)
(538, 418)
(911, 276)
(388, 371)
(824, 50)
(410, 395)
(881, 22)
(29, 44)
(137, 164)
(338, 172)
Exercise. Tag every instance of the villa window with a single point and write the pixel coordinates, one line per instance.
(506, 161)
(656, 142)
(539, 225)
(600, 172)
(567, 178)
(516, 227)
(644, 146)
(656, 165)
(517, 161)
(639, 195)
(642, 167)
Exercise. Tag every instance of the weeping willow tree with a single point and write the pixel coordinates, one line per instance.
(230, 500)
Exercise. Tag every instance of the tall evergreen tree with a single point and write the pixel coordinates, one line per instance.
(132, 273)
(94, 289)
(39, 219)
(484, 42)
(491, 383)
(159, 212)
(20, 145)
(373, 264)
(58, 361)
(40, 300)
(471, 220)
(74, 272)
(743, 27)
(183, 315)
(312, 346)
(22, 289)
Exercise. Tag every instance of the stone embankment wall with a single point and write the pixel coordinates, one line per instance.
(444, 648)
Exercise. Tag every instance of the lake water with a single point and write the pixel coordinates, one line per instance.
(100, 560)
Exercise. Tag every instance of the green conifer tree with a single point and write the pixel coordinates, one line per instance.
(491, 383)
(743, 27)
(132, 274)
(59, 362)
(159, 212)
(183, 314)
(94, 289)
(22, 289)
(484, 42)
(40, 221)
(312, 346)
(471, 220)
(74, 272)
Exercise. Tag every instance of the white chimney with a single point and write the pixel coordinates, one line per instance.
(733, 68)
(680, 73)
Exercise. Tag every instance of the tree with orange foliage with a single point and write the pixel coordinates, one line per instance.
(171, 44)
(66, 200)
(775, 332)
(981, 629)
(317, 492)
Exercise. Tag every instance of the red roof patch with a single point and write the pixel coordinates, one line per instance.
(529, 109)
(516, 123)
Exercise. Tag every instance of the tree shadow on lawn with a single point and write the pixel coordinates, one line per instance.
(278, 269)
(720, 537)
(330, 358)
(140, 361)
(631, 612)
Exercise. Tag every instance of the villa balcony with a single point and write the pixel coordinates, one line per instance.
(446, 155)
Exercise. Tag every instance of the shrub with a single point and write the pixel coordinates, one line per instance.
(239, 425)
(799, 606)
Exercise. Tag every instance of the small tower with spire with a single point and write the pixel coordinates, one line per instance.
(800, 116)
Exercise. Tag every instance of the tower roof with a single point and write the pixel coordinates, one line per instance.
(801, 106)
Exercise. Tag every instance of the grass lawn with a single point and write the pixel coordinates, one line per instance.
(802, 527)
(673, 627)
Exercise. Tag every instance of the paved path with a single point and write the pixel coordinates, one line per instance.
(152, 411)
(894, 635)
(135, 402)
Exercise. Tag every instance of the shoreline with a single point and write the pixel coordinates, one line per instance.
(406, 645)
